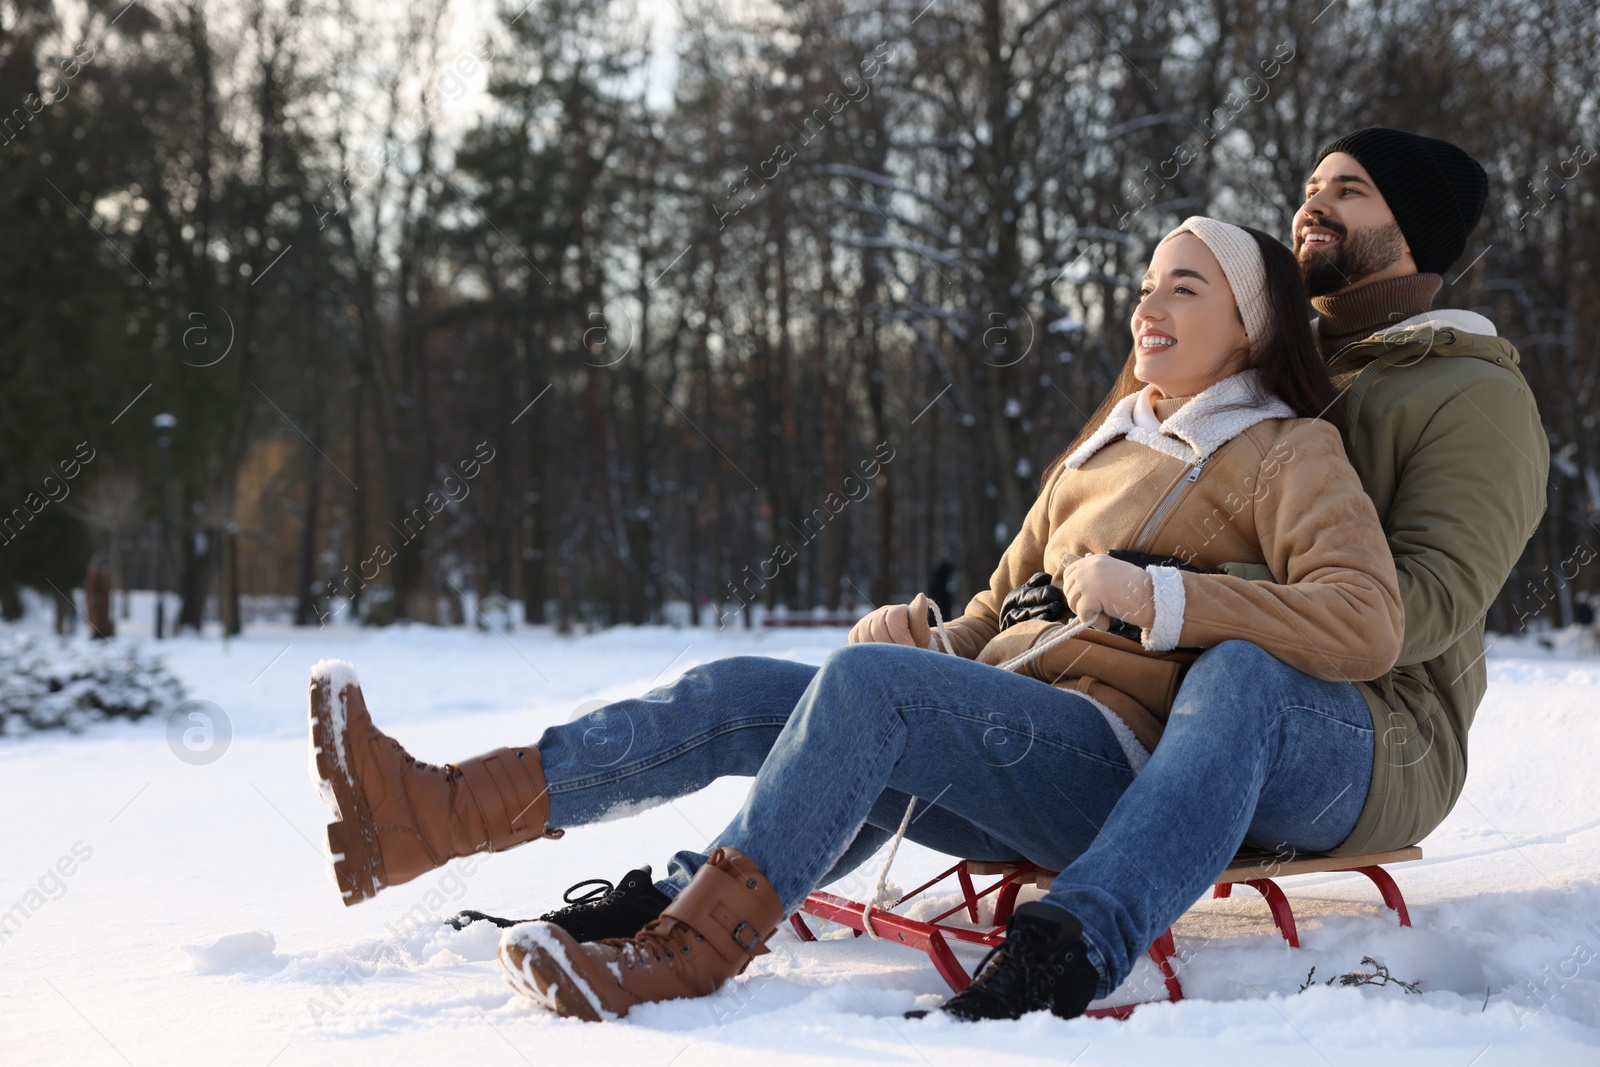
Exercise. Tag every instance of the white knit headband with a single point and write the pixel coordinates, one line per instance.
(1241, 261)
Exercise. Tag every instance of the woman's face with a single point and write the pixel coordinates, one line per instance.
(1186, 329)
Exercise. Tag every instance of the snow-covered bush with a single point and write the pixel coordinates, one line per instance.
(46, 681)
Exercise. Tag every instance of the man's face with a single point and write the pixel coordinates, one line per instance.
(1344, 233)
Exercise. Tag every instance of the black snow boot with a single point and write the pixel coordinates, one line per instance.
(1042, 964)
(604, 911)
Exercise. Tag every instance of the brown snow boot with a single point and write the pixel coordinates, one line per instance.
(708, 934)
(396, 817)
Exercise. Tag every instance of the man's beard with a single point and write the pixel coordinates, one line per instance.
(1354, 258)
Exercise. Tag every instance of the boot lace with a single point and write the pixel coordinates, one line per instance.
(656, 942)
(601, 895)
(449, 769)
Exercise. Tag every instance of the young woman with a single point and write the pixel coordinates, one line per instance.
(1218, 444)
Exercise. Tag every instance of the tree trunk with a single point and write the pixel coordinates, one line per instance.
(358, 510)
(306, 602)
(10, 601)
(192, 579)
(118, 585)
(229, 594)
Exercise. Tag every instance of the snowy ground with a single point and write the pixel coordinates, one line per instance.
(173, 912)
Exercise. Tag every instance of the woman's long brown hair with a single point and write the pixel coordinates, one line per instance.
(1289, 363)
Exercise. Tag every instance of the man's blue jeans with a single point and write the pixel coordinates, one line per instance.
(1005, 767)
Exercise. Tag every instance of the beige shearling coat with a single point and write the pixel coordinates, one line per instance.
(1229, 478)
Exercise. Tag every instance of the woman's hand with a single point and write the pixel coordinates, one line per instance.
(1102, 588)
(895, 624)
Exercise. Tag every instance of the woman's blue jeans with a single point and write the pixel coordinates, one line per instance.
(1005, 767)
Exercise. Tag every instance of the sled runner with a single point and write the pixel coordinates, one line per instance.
(1250, 867)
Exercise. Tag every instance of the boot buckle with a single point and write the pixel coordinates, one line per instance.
(755, 937)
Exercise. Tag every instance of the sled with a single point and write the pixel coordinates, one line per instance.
(1257, 869)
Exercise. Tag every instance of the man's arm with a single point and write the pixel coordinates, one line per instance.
(1467, 500)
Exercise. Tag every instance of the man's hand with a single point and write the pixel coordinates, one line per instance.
(1036, 598)
(895, 624)
(1102, 589)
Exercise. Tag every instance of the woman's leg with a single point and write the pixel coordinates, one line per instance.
(1028, 764)
(720, 718)
(1284, 762)
(936, 827)
(396, 817)
(681, 736)
(991, 748)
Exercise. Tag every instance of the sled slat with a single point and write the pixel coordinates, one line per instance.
(1248, 864)
(1243, 868)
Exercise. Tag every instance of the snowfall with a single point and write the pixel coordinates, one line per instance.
(168, 901)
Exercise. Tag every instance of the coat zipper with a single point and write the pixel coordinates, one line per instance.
(1168, 503)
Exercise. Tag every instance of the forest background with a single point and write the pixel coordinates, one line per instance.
(392, 309)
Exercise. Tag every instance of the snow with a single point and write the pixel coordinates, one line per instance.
(158, 910)
(335, 674)
(233, 953)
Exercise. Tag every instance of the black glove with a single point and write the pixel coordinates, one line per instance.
(1034, 599)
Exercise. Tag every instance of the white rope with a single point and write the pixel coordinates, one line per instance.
(1066, 633)
(879, 890)
(944, 635)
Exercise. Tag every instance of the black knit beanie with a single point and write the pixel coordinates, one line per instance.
(1435, 190)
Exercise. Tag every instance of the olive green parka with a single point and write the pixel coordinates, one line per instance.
(1448, 444)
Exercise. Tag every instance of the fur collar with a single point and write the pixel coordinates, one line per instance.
(1214, 417)
(1446, 318)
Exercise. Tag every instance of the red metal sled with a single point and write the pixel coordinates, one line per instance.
(933, 936)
